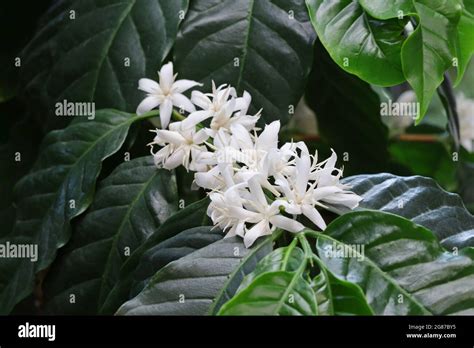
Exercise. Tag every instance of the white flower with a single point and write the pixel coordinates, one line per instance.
(165, 94)
(330, 193)
(465, 108)
(224, 107)
(179, 146)
(235, 208)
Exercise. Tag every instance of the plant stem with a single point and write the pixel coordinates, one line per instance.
(446, 94)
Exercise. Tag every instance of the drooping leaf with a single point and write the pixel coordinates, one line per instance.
(97, 50)
(429, 51)
(358, 43)
(191, 216)
(129, 206)
(339, 297)
(262, 46)
(422, 201)
(188, 286)
(172, 249)
(59, 187)
(399, 265)
(275, 287)
(466, 38)
(347, 110)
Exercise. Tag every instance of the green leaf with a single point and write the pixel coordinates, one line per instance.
(339, 98)
(274, 293)
(262, 46)
(422, 201)
(358, 43)
(59, 187)
(191, 216)
(100, 54)
(429, 50)
(466, 38)
(399, 265)
(172, 249)
(275, 287)
(129, 206)
(387, 9)
(339, 297)
(188, 286)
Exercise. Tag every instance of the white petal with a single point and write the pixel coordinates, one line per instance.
(166, 108)
(196, 117)
(175, 160)
(242, 136)
(201, 100)
(200, 136)
(268, 139)
(313, 214)
(147, 104)
(303, 166)
(260, 229)
(286, 224)
(149, 86)
(170, 137)
(181, 86)
(166, 77)
(182, 102)
(256, 191)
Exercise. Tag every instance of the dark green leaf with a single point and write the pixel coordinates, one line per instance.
(189, 285)
(262, 46)
(100, 54)
(193, 215)
(129, 206)
(422, 201)
(59, 187)
(399, 265)
(172, 249)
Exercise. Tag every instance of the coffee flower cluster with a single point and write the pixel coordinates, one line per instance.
(255, 186)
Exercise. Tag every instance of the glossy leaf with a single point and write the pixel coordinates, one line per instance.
(387, 9)
(275, 287)
(172, 249)
(129, 206)
(262, 46)
(59, 187)
(188, 286)
(422, 201)
(399, 265)
(339, 297)
(429, 51)
(358, 43)
(466, 38)
(97, 50)
(191, 216)
(274, 293)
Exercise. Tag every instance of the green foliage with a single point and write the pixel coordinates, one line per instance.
(238, 42)
(129, 206)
